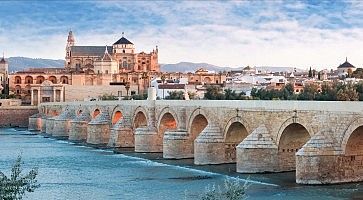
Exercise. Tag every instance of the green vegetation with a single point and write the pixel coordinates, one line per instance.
(327, 92)
(5, 96)
(139, 97)
(108, 97)
(216, 93)
(232, 190)
(175, 95)
(14, 187)
(179, 95)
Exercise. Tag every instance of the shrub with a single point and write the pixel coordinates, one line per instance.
(14, 187)
(233, 190)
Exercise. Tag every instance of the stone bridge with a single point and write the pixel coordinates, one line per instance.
(322, 141)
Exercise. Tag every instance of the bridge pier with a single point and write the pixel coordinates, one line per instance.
(62, 124)
(321, 161)
(49, 125)
(209, 147)
(35, 122)
(43, 124)
(147, 139)
(78, 129)
(177, 145)
(257, 153)
(122, 134)
(98, 131)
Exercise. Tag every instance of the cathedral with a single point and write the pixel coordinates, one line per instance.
(115, 59)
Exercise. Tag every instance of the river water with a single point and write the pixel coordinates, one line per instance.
(73, 171)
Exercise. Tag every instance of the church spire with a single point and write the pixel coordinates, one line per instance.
(70, 40)
(106, 50)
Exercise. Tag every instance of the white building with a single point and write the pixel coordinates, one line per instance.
(163, 89)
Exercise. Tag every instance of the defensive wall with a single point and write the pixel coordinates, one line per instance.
(16, 116)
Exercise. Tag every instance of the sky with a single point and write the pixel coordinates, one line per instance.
(290, 33)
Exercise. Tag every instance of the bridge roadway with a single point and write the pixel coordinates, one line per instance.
(322, 141)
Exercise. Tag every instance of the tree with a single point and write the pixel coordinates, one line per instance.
(310, 73)
(192, 95)
(108, 97)
(175, 95)
(348, 93)
(310, 91)
(14, 187)
(139, 96)
(214, 93)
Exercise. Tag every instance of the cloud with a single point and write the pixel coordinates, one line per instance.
(232, 33)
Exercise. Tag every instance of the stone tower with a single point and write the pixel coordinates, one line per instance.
(4, 72)
(70, 43)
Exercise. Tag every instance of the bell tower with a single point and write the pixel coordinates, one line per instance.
(4, 72)
(70, 43)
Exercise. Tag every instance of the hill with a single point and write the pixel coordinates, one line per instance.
(20, 63)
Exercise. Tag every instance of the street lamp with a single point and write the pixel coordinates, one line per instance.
(127, 87)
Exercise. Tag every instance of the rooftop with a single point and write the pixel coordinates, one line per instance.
(346, 64)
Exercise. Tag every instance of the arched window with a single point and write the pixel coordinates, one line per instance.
(17, 79)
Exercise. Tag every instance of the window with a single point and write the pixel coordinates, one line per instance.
(106, 71)
(124, 64)
(133, 92)
(123, 51)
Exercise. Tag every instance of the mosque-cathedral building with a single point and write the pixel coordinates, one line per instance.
(91, 71)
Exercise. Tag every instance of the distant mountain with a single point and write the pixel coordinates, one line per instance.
(191, 67)
(20, 63)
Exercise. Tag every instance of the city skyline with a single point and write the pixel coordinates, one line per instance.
(231, 34)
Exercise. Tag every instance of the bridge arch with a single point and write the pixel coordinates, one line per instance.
(140, 117)
(165, 111)
(235, 131)
(353, 136)
(167, 122)
(197, 123)
(292, 136)
(288, 122)
(117, 114)
(95, 113)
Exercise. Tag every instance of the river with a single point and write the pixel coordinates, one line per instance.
(73, 171)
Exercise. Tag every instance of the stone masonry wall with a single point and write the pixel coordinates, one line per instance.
(17, 116)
